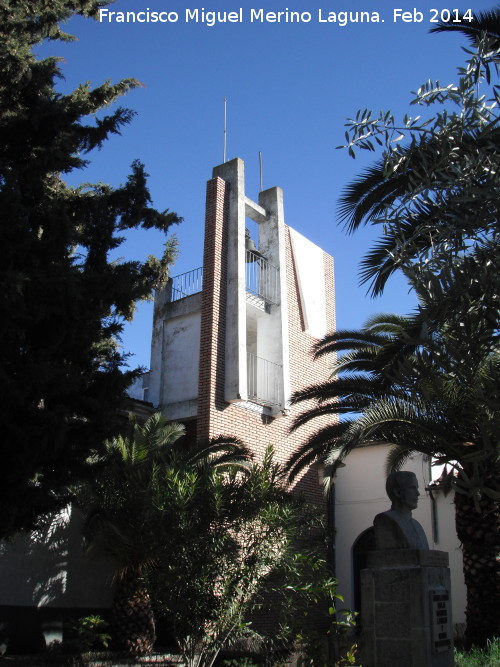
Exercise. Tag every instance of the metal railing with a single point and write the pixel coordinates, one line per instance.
(186, 284)
(261, 280)
(263, 380)
(261, 277)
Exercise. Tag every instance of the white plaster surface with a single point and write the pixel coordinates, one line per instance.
(181, 358)
(360, 495)
(309, 264)
(447, 541)
(167, 312)
(50, 568)
(272, 244)
(235, 376)
(136, 388)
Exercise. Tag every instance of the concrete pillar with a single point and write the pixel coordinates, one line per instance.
(235, 385)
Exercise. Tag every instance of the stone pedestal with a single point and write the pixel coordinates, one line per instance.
(406, 609)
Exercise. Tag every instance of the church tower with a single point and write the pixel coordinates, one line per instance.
(232, 339)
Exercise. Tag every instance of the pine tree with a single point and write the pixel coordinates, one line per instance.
(64, 302)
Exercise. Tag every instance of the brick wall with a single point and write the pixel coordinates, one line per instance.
(213, 306)
(215, 416)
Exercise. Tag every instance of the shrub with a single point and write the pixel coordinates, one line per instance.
(480, 657)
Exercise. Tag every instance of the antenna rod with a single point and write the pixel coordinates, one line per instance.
(225, 128)
(260, 169)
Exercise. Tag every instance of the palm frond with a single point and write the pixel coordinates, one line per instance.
(387, 324)
(487, 21)
(347, 339)
(406, 382)
(403, 240)
(343, 386)
(354, 405)
(397, 457)
(316, 448)
(218, 451)
(368, 196)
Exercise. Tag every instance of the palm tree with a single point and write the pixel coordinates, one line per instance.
(429, 383)
(401, 382)
(487, 21)
(124, 517)
(426, 211)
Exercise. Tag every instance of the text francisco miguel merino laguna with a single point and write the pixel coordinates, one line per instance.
(211, 18)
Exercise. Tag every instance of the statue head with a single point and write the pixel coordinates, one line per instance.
(402, 489)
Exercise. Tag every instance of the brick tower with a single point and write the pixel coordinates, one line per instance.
(232, 340)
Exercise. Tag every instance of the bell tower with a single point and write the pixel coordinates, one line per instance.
(232, 340)
(256, 337)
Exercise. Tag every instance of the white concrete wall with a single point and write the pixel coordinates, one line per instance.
(235, 375)
(309, 264)
(360, 495)
(49, 568)
(152, 392)
(136, 389)
(181, 358)
(447, 541)
(172, 383)
(274, 333)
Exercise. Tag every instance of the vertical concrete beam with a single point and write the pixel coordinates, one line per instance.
(154, 390)
(272, 246)
(235, 385)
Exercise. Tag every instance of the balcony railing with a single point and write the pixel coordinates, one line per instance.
(186, 284)
(261, 280)
(264, 380)
(261, 277)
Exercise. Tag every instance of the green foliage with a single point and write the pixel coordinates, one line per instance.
(212, 535)
(89, 633)
(305, 604)
(129, 512)
(434, 190)
(398, 382)
(350, 658)
(124, 503)
(477, 657)
(402, 382)
(233, 548)
(65, 302)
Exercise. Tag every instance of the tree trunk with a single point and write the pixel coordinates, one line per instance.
(132, 618)
(479, 535)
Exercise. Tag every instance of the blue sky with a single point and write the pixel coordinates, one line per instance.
(289, 88)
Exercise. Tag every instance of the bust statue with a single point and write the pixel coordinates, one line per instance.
(396, 528)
